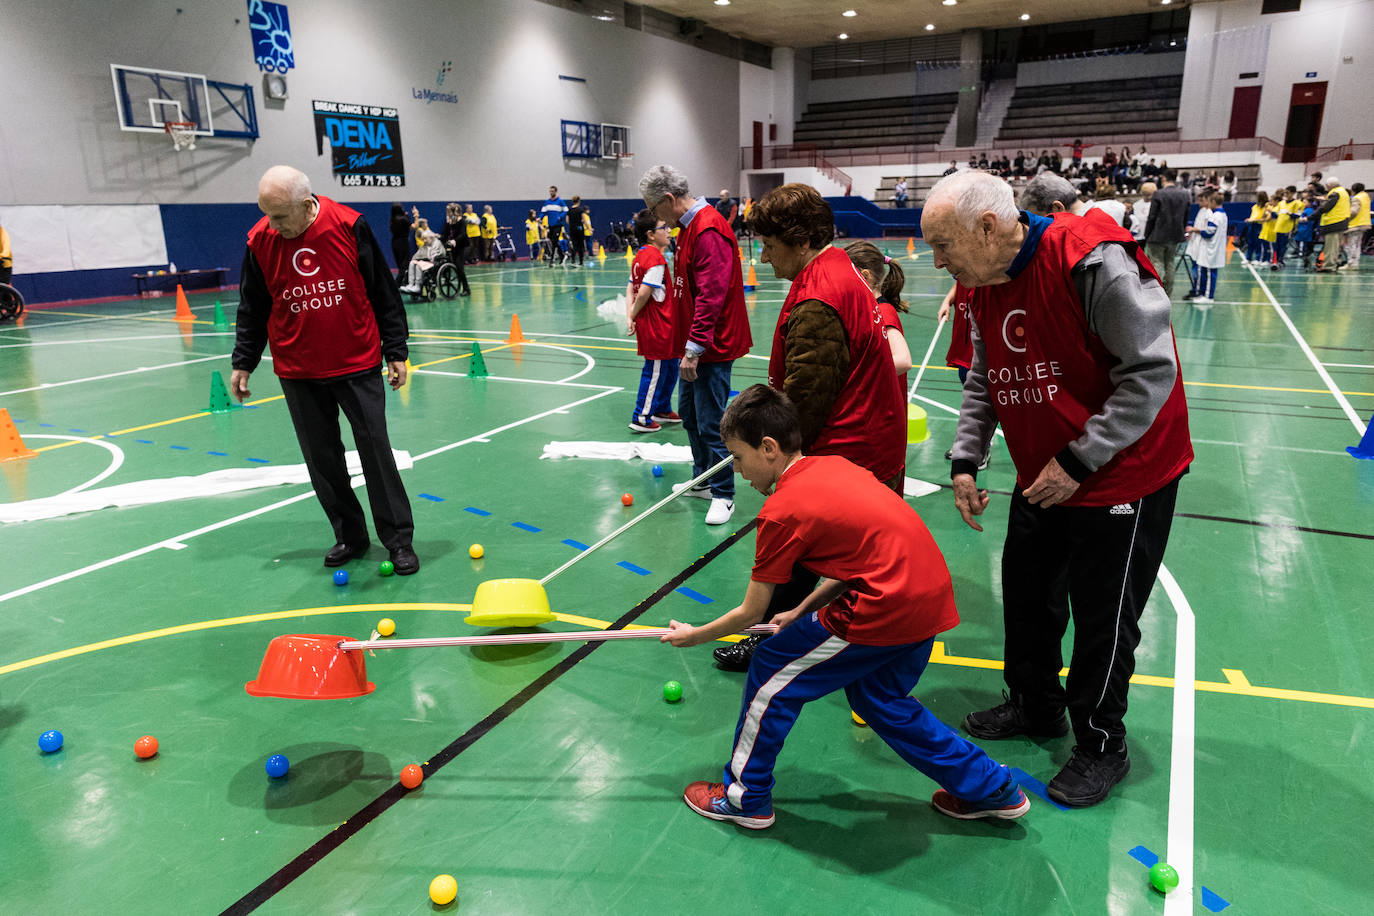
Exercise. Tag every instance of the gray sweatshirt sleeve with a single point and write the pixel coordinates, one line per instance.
(1129, 313)
(977, 415)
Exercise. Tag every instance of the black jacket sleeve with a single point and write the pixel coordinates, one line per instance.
(382, 293)
(255, 307)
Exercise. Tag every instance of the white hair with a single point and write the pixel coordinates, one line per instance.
(659, 182)
(974, 193)
(291, 182)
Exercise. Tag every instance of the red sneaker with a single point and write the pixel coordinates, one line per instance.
(708, 799)
(1007, 805)
(650, 427)
(669, 417)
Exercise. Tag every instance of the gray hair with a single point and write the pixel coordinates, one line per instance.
(974, 193)
(1043, 190)
(659, 182)
(291, 182)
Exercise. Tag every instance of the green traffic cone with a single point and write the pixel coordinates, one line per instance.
(220, 401)
(478, 367)
(221, 322)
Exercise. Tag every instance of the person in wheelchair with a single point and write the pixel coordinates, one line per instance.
(11, 303)
(431, 250)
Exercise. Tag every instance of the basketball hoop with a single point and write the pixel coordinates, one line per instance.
(183, 134)
(627, 160)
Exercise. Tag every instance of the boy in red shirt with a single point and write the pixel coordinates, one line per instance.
(649, 302)
(869, 626)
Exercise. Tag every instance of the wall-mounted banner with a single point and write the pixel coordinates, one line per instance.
(366, 143)
(271, 30)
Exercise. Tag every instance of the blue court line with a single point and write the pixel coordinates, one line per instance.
(476, 511)
(694, 595)
(433, 499)
(180, 448)
(144, 441)
(1210, 899)
(80, 432)
(578, 544)
(524, 527)
(639, 570)
(261, 460)
(250, 406)
(219, 454)
(46, 425)
(17, 420)
(1037, 787)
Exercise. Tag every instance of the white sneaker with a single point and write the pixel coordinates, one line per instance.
(720, 511)
(698, 491)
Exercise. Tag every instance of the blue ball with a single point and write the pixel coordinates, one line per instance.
(658, 470)
(50, 741)
(340, 577)
(277, 765)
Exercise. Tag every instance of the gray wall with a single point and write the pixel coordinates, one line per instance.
(60, 143)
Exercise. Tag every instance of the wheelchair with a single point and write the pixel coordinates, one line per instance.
(440, 281)
(503, 248)
(11, 302)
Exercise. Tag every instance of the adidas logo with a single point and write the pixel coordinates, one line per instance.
(1123, 509)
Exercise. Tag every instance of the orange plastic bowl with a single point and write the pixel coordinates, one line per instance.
(311, 667)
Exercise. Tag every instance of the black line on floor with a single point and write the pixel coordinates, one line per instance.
(335, 838)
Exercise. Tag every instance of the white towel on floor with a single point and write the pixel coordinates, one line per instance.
(657, 452)
(144, 492)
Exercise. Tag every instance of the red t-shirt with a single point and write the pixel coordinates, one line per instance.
(960, 338)
(835, 519)
(654, 323)
(892, 323)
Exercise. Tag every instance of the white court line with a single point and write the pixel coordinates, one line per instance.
(1348, 365)
(96, 378)
(97, 340)
(534, 338)
(110, 447)
(171, 542)
(529, 381)
(32, 314)
(1179, 845)
(1336, 392)
(1269, 448)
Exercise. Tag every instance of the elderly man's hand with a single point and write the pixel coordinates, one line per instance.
(688, 368)
(238, 384)
(1053, 486)
(969, 500)
(396, 373)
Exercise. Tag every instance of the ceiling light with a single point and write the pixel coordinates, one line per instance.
(842, 36)
(1025, 16)
(930, 26)
(849, 14)
(951, 2)
(722, 2)
(1165, 2)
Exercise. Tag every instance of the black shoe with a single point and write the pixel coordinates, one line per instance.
(1009, 719)
(1088, 778)
(737, 656)
(342, 552)
(405, 561)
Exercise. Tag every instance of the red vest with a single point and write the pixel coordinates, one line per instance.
(654, 327)
(322, 324)
(960, 352)
(1048, 373)
(867, 424)
(731, 338)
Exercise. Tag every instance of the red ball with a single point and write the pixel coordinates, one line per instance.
(146, 746)
(412, 775)
(627, 499)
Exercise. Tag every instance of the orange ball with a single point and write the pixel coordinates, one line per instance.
(627, 499)
(146, 746)
(412, 775)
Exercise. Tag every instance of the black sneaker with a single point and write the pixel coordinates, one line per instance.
(1009, 719)
(1088, 778)
(737, 656)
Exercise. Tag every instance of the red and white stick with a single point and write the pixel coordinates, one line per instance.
(519, 639)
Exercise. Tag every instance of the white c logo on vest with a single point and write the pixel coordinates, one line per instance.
(1018, 331)
(298, 263)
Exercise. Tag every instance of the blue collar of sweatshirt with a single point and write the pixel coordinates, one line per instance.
(1035, 227)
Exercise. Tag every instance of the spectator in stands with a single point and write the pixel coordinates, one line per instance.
(983, 161)
(1333, 219)
(1228, 186)
(1164, 227)
(1106, 202)
(1359, 224)
(1122, 165)
(1019, 163)
(1078, 147)
(1109, 160)
(899, 194)
(1150, 171)
(1056, 161)
(953, 167)
(1140, 211)
(1043, 162)
(400, 240)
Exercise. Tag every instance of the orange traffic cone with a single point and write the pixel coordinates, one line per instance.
(751, 282)
(11, 446)
(910, 244)
(515, 335)
(183, 307)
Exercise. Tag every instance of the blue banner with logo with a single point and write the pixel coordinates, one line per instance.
(271, 31)
(365, 141)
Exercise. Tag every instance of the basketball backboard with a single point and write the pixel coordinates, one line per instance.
(147, 99)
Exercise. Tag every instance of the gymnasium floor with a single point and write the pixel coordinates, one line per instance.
(556, 771)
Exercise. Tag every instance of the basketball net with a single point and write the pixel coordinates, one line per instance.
(183, 134)
(627, 160)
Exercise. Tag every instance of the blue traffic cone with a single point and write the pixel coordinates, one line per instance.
(1366, 447)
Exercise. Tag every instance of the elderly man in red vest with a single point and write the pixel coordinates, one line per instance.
(1074, 355)
(711, 327)
(316, 286)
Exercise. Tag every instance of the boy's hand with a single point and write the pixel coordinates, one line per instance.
(681, 635)
(630, 328)
(786, 618)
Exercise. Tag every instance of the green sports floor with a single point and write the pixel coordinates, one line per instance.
(555, 771)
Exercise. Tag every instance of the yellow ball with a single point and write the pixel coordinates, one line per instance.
(476, 551)
(386, 626)
(443, 889)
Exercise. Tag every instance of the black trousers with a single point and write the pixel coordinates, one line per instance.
(314, 405)
(1106, 557)
(555, 252)
(579, 245)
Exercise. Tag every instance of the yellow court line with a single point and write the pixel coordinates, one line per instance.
(1236, 684)
(135, 429)
(125, 317)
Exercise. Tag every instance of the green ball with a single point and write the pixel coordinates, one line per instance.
(1164, 877)
(386, 568)
(672, 691)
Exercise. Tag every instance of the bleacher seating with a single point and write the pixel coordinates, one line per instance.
(1147, 104)
(902, 121)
